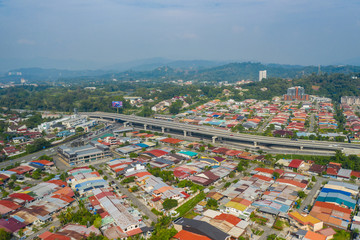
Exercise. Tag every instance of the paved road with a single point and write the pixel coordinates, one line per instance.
(312, 122)
(221, 133)
(311, 195)
(30, 157)
(133, 198)
(261, 128)
(267, 232)
(34, 235)
(50, 151)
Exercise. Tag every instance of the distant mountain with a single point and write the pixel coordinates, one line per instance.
(166, 70)
(248, 70)
(47, 75)
(7, 64)
(152, 63)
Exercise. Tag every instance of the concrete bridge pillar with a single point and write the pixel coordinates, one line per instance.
(145, 126)
(162, 129)
(185, 133)
(255, 144)
(301, 147)
(125, 124)
(214, 139)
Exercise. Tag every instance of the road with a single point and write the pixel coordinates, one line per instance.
(312, 122)
(311, 194)
(49, 151)
(34, 235)
(267, 232)
(261, 128)
(55, 223)
(133, 198)
(30, 157)
(222, 133)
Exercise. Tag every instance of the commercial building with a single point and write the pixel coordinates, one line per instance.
(296, 93)
(262, 75)
(350, 100)
(91, 152)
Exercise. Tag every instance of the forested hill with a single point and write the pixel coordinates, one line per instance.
(230, 72)
(237, 71)
(329, 85)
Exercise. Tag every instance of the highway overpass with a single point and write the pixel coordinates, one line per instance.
(217, 134)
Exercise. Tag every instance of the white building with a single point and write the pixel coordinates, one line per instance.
(262, 75)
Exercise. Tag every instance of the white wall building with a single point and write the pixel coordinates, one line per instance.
(262, 75)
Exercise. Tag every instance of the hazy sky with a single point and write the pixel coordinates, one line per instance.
(110, 31)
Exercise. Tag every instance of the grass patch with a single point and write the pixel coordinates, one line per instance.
(191, 214)
(258, 219)
(156, 212)
(341, 235)
(186, 207)
(257, 232)
(279, 225)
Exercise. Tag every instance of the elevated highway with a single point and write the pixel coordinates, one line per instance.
(217, 134)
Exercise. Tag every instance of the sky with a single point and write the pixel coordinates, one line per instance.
(103, 32)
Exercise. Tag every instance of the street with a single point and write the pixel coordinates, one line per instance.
(311, 195)
(34, 235)
(263, 126)
(134, 199)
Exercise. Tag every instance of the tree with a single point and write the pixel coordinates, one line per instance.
(21, 232)
(301, 194)
(212, 204)
(4, 235)
(36, 174)
(38, 144)
(105, 178)
(13, 177)
(276, 175)
(353, 178)
(134, 188)
(240, 168)
(97, 222)
(313, 179)
(133, 155)
(80, 129)
(45, 157)
(169, 203)
(227, 184)
(175, 107)
(272, 237)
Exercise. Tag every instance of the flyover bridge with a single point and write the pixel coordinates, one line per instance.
(221, 134)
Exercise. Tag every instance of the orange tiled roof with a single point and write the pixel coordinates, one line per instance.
(314, 236)
(185, 235)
